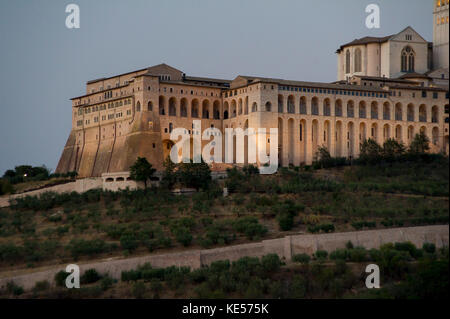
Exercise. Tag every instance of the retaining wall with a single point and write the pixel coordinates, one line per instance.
(284, 247)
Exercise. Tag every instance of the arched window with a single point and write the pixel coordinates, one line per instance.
(291, 104)
(280, 104)
(314, 106)
(347, 61)
(407, 60)
(254, 107)
(358, 61)
(138, 106)
(268, 107)
(150, 106)
(302, 105)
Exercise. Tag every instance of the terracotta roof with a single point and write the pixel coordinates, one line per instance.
(414, 75)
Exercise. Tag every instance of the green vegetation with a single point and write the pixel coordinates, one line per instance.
(141, 170)
(407, 272)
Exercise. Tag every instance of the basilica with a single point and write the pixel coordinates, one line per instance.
(387, 87)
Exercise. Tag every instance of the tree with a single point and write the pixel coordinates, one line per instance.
(169, 177)
(196, 175)
(420, 144)
(392, 148)
(141, 170)
(370, 151)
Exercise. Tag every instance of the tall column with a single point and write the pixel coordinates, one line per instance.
(309, 149)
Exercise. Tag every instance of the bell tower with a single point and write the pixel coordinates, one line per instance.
(440, 34)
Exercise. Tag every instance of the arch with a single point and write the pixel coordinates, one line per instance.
(362, 110)
(410, 112)
(351, 139)
(362, 132)
(303, 141)
(194, 108)
(291, 141)
(216, 110)
(225, 111)
(280, 103)
(338, 138)
(120, 179)
(435, 114)
(183, 107)
(167, 147)
(326, 107)
(233, 108)
(398, 112)
(302, 105)
(327, 134)
(435, 136)
(291, 104)
(109, 180)
(350, 109)
(423, 130)
(138, 106)
(410, 132)
(374, 110)
(314, 106)
(315, 137)
(338, 108)
(246, 143)
(386, 132)
(205, 109)
(240, 107)
(374, 132)
(407, 59)
(347, 61)
(150, 106)
(246, 105)
(280, 142)
(172, 107)
(254, 107)
(398, 133)
(162, 108)
(268, 107)
(422, 113)
(358, 60)
(170, 127)
(386, 111)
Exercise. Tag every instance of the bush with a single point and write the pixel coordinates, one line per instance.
(90, 276)
(250, 227)
(270, 263)
(321, 254)
(138, 290)
(183, 236)
(429, 248)
(41, 286)
(60, 278)
(301, 258)
(128, 241)
(285, 221)
(14, 289)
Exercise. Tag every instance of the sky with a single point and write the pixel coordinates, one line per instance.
(43, 63)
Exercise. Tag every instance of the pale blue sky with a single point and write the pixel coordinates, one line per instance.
(43, 64)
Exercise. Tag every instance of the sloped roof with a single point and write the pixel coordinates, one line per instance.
(365, 40)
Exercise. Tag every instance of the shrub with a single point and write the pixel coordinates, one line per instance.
(297, 288)
(321, 254)
(250, 227)
(270, 263)
(14, 289)
(183, 236)
(301, 258)
(128, 241)
(90, 276)
(60, 278)
(138, 290)
(41, 286)
(285, 221)
(429, 248)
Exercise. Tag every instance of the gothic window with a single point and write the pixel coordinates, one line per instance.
(358, 60)
(347, 61)
(407, 60)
